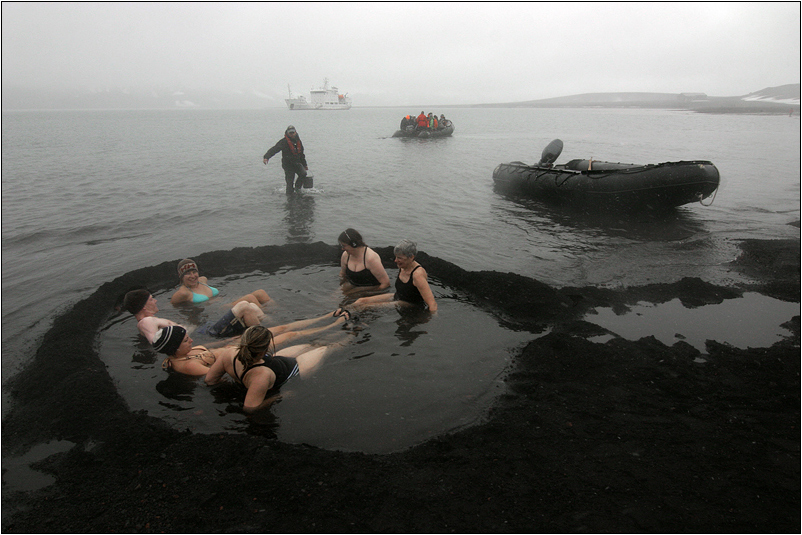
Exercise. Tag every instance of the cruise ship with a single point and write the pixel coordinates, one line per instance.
(325, 98)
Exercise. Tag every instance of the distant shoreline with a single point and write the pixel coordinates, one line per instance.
(780, 100)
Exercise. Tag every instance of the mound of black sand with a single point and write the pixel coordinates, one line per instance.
(615, 437)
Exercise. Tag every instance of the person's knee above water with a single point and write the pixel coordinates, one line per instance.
(360, 266)
(293, 159)
(195, 288)
(234, 322)
(412, 284)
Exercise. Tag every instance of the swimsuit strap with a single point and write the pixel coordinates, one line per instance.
(241, 378)
(410, 274)
(168, 362)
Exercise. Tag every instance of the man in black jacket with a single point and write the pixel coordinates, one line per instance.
(293, 159)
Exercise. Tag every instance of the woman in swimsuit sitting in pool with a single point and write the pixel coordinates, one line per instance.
(183, 357)
(360, 266)
(195, 289)
(412, 284)
(260, 371)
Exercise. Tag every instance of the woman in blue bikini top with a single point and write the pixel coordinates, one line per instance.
(195, 288)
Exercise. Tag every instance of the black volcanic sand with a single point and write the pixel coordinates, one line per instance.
(619, 436)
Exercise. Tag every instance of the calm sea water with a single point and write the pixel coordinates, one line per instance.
(89, 195)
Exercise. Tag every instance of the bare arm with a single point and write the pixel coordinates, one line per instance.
(421, 281)
(148, 326)
(343, 261)
(257, 389)
(190, 367)
(181, 295)
(374, 264)
(218, 369)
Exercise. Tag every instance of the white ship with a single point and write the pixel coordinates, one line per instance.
(325, 98)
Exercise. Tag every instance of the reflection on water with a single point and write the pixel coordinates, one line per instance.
(610, 249)
(299, 217)
(670, 225)
(733, 321)
(398, 361)
(409, 324)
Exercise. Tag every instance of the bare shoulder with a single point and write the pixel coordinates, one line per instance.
(181, 295)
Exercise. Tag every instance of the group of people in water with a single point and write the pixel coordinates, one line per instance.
(246, 350)
(425, 122)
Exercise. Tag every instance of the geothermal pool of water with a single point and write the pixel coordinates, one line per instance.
(401, 379)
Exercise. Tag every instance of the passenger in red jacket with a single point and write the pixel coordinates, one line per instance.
(423, 121)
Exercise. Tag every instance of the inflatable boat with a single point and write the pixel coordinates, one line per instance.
(410, 131)
(606, 184)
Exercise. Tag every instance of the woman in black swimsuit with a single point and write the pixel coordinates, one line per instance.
(412, 284)
(260, 371)
(360, 266)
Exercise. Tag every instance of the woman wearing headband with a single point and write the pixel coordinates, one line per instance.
(360, 266)
(256, 365)
(195, 289)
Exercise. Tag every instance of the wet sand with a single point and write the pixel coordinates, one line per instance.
(619, 436)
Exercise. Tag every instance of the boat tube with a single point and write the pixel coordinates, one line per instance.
(411, 131)
(607, 184)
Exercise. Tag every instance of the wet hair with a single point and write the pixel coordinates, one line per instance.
(406, 248)
(254, 344)
(168, 339)
(135, 300)
(351, 237)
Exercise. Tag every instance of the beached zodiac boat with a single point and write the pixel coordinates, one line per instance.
(410, 131)
(605, 184)
(325, 98)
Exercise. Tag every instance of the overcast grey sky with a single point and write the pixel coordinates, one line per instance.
(399, 53)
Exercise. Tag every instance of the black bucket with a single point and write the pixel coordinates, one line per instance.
(309, 182)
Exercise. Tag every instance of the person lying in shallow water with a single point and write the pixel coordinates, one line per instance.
(412, 284)
(195, 288)
(262, 371)
(183, 357)
(143, 306)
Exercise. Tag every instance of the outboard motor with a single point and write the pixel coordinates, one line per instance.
(551, 153)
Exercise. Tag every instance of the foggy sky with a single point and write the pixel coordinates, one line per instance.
(398, 53)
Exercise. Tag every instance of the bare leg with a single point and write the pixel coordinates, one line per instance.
(247, 298)
(286, 336)
(300, 324)
(373, 300)
(261, 295)
(308, 361)
(248, 312)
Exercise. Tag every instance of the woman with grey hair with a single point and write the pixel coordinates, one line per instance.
(412, 284)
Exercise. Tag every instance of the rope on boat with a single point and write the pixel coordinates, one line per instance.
(713, 198)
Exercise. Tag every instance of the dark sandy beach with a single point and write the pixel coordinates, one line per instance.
(622, 436)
